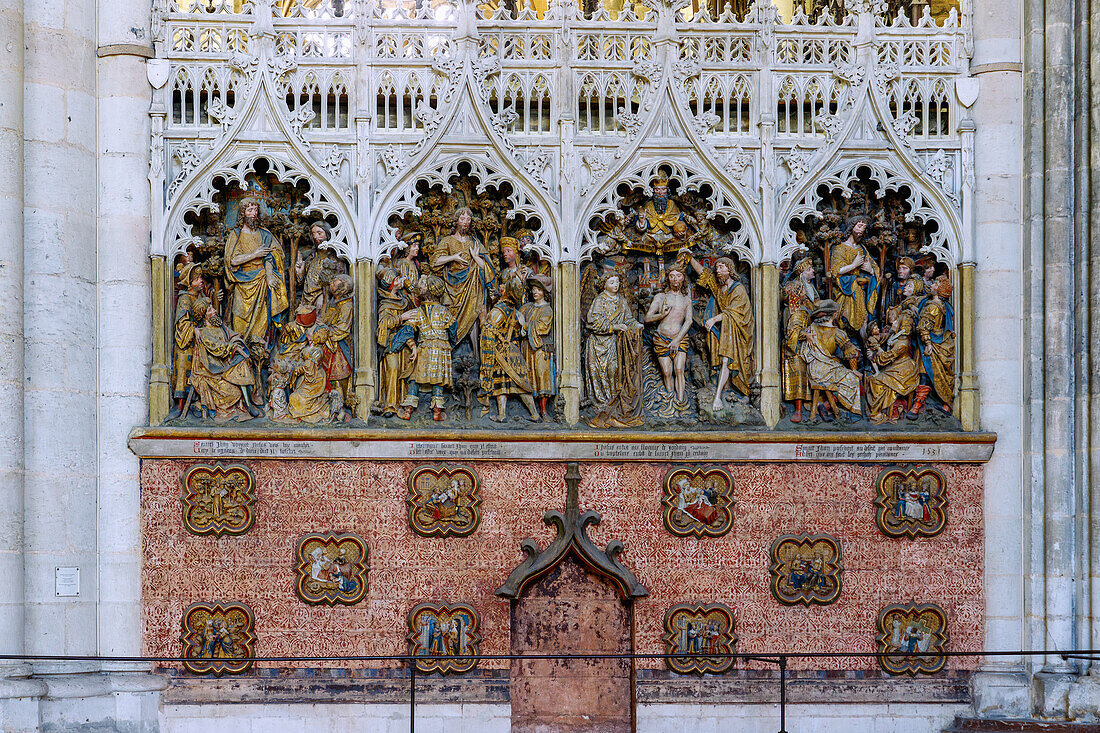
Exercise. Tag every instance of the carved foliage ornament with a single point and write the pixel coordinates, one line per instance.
(444, 637)
(331, 569)
(805, 569)
(444, 500)
(218, 499)
(218, 638)
(698, 630)
(906, 632)
(698, 502)
(911, 502)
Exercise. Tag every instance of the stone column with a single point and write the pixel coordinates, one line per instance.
(18, 696)
(366, 385)
(125, 342)
(567, 311)
(1001, 689)
(11, 333)
(1059, 336)
(60, 331)
(767, 327)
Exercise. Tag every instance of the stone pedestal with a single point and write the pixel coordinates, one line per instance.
(571, 611)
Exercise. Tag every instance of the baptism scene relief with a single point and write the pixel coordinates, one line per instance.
(466, 320)
(667, 315)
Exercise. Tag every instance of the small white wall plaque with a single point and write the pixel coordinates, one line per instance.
(66, 581)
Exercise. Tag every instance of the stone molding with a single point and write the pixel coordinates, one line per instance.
(748, 445)
(125, 49)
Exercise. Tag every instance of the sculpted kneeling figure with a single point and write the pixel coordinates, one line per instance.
(822, 340)
(221, 372)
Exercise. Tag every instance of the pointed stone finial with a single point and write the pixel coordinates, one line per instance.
(572, 536)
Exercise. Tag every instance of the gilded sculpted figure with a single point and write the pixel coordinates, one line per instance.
(185, 323)
(822, 341)
(220, 369)
(435, 329)
(895, 290)
(467, 273)
(538, 345)
(657, 218)
(612, 350)
(671, 310)
(799, 295)
(308, 401)
(255, 272)
(729, 325)
(855, 275)
(935, 328)
(503, 368)
(333, 335)
(316, 271)
(895, 371)
(397, 285)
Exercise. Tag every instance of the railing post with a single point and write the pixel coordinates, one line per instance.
(412, 695)
(782, 695)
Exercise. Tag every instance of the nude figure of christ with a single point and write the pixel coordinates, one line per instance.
(671, 309)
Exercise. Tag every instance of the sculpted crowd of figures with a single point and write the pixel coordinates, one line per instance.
(464, 317)
(849, 330)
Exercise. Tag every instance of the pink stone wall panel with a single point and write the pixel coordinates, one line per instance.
(368, 498)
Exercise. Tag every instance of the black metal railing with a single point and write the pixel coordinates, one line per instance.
(780, 660)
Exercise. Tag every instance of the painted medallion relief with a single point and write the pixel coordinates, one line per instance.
(444, 500)
(911, 502)
(697, 630)
(218, 638)
(915, 632)
(805, 569)
(443, 637)
(218, 499)
(331, 569)
(698, 501)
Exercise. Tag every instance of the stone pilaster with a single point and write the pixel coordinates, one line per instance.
(366, 367)
(1059, 335)
(60, 329)
(124, 298)
(18, 696)
(1002, 688)
(566, 306)
(767, 337)
(11, 335)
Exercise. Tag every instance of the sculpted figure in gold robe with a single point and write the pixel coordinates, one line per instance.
(799, 296)
(657, 218)
(612, 351)
(855, 275)
(434, 328)
(503, 368)
(332, 334)
(823, 340)
(538, 346)
(183, 343)
(397, 285)
(221, 372)
(255, 272)
(729, 325)
(467, 273)
(935, 327)
(316, 271)
(895, 375)
(308, 401)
